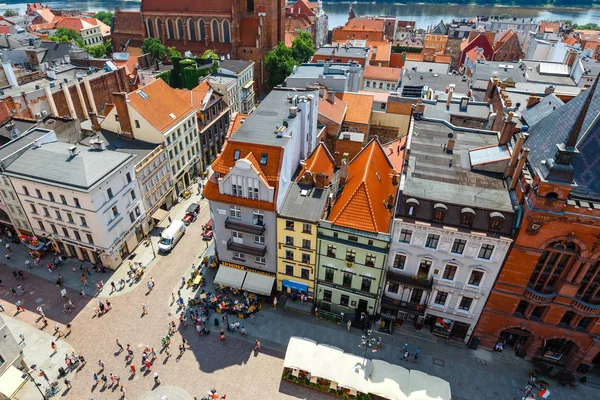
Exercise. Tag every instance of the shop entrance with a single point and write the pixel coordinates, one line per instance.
(124, 251)
(362, 305)
(557, 351)
(459, 330)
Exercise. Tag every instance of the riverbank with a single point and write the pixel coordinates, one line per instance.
(454, 4)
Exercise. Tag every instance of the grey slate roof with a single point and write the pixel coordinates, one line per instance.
(554, 129)
(235, 66)
(55, 51)
(305, 208)
(118, 143)
(260, 126)
(541, 110)
(20, 143)
(440, 29)
(343, 51)
(51, 163)
(485, 70)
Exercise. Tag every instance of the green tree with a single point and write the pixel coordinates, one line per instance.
(97, 51)
(155, 48)
(172, 52)
(210, 54)
(279, 64)
(10, 12)
(303, 47)
(67, 35)
(104, 16)
(108, 47)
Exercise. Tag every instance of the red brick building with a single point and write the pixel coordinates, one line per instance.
(482, 40)
(546, 302)
(507, 47)
(238, 29)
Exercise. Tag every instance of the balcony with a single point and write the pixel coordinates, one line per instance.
(238, 225)
(415, 308)
(258, 250)
(409, 280)
(586, 308)
(538, 297)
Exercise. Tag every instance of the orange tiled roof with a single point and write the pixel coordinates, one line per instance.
(334, 112)
(384, 50)
(395, 152)
(132, 61)
(362, 203)
(46, 14)
(414, 57)
(377, 25)
(382, 73)
(162, 102)
(211, 192)
(289, 38)
(359, 107)
(549, 26)
(296, 22)
(249, 31)
(320, 160)
(129, 22)
(225, 161)
(439, 58)
(570, 41)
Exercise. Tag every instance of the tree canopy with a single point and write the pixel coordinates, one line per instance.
(104, 16)
(155, 48)
(302, 47)
(172, 53)
(67, 35)
(10, 12)
(279, 64)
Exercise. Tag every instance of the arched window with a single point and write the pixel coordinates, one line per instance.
(150, 28)
(191, 29)
(159, 28)
(552, 265)
(250, 5)
(215, 31)
(226, 35)
(439, 212)
(179, 29)
(411, 206)
(170, 29)
(201, 30)
(589, 290)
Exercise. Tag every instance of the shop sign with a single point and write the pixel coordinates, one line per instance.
(347, 289)
(388, 316)
(244, 268)
(222, 212)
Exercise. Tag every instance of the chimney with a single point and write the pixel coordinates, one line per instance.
(73, 151)
(390, 202)
(532, 100)
(549, 89)
(98, 144)
(519, 169)
(343, 173)
(293, 112)
(449, 101)
(321, 180)
(331, 96)
(570, 57)
(94, 120)
(120, 101)
(516, 151)
(507, 130)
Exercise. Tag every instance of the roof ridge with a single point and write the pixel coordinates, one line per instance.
(370, 203)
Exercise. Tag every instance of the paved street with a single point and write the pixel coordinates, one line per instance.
(230, 367)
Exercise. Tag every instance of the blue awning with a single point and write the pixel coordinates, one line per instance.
(301, 287)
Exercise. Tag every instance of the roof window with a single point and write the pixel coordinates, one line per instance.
(236, 155)
(263, 158)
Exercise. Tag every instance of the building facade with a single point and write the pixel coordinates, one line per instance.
(353, 238)
(240, 29)
(297, 224)
(250, 180)
(243, 72)
(93, 212)
(546, 303)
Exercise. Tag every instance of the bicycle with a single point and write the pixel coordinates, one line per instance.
(53, 389)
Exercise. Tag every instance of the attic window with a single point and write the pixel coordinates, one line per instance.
(263, 158)
(236, 155)
(377, 174)
(304, 192)
(143, 94)
(172, 115)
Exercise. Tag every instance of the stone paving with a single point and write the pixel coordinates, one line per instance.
(231, 367)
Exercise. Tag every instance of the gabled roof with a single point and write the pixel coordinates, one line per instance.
(570, 41)
(362, 203)
(334, 112)
(163, 107)
(237, 119)
(270, 170)
(320, 161)
(554, 129)
(359, 107)
(197, 97)
(382, 73)
(128, 22)
(440, 29)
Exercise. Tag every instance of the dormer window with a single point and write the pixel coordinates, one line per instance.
(263, 158)
(466, 216)
(411, 206)
(439, 212)
(496, 220)
(236, 155)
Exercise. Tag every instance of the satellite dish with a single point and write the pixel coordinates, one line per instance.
(450, 135)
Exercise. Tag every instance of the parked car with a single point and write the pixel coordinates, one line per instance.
(191, 213)
(207, 231)
(170, 236)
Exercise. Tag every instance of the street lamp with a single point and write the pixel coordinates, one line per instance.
(367, 342)
(37, 385)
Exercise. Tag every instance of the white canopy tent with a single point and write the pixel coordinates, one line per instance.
(428, 387)
(258, 283)
(300, 354)
(328, 360)
(231, 277)
(389, 381)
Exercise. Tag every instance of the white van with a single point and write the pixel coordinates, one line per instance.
(170, 236)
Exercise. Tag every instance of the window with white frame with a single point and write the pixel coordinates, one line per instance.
(476, 278)
(235, 212)
(239, 256)
(449, 272)
(399, 261)
(405, 236)
(259, 239)
(432, 241)
(261, 260)
(465, 303)
(486, 251)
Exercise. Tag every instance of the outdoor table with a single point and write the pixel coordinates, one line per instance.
(203, 296)
(197, 280)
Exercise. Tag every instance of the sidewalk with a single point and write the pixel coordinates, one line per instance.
(147, 255)
(36, 350)
(473, 374)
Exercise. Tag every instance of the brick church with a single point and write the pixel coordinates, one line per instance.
(238, 29)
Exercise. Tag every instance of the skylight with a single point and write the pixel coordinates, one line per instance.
(142, 94)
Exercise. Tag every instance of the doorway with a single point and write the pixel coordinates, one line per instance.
(362, 305)
(460, 330)
(124, 251)
(424, 268)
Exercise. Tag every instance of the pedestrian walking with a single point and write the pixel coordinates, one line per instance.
(19, 306)
(27, 265)
(416, 356)
(82, 360)
(144, 309)
(14, 291)
(101, 365)
(81, 293)
(119, 345)
(349, 324)
(2, 307)
(108, 305)
(274, 301)
(181, 349)
(243, 331)
(379, 342)
(112, 379)
(53, 347)
(104, 380)
(129, 352)
(113, 287)
(96, 378)
(152, 282)
(149, 285)
(84, 280)
(256, 346)
(148, 365)
(67, 382)
(132, 368)
(406, 355)
(69, 328)
(156, 380)
(123, 392)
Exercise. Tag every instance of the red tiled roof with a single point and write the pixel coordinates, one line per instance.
(334, 112)
(211, 192)
(163, 107)
(570, 41)
(359, 107)
(236, 122)
(320, 160)
(362, 203)
(382, 73)
(187, 6)
(377, 25)
(128, 22)
(225, 161)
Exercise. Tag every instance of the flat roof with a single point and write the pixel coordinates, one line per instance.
(536, 75)
(22, 142)
(304, 202)
(260, 126)
(343, 51)
(435, 175)
(438, 110)
(317, 69)
(437, 82)
(235, 66)
(486, 69)
(118, 143)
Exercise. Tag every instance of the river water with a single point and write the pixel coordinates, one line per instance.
(425, 15)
